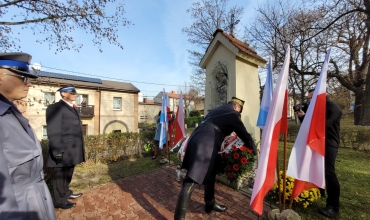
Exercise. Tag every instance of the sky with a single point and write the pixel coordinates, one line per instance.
(155, 53)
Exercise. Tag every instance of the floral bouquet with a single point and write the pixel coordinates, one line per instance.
(236, 158)
(304, 199)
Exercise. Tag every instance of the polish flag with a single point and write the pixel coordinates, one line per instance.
(275, 124)
(306, 162)
(180, 134)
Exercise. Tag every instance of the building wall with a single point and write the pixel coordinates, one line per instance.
(104, 115)
(150, 110)
(225, 56)
(242, 83)
(36, 112)
(247, 88)
(127, 117)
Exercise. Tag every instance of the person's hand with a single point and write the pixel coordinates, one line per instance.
(58, 158)
(300, 113)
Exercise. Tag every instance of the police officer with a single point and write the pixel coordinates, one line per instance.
(64, 129)
(23, 191)
(202, 156)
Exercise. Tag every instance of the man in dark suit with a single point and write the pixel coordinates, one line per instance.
(66, 150)
(202, 158)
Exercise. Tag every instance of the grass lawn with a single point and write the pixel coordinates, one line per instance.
(352, 167)
(89, 175)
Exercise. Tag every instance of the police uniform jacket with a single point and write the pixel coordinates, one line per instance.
(64, 129)
(201, 158)
(23, 192)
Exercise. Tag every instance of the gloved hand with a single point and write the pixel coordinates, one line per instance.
(58, 158)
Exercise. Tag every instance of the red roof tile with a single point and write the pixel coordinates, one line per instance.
(173, 94)
(244, 47)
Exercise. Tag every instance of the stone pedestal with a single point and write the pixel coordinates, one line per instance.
(287, 214)
(244, 181)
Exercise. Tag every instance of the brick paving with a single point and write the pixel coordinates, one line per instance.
(153, 196)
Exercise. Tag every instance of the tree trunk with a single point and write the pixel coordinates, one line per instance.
(365, 116)
(358, 109)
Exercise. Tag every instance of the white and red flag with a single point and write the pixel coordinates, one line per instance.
(180, 134)
(276, 123)
(306, 162)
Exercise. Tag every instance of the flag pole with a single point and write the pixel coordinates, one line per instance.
(279, 180)
(174, 131)
(290, 203)
(284, 170)
(167, 147)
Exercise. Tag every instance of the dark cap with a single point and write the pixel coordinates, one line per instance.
(69, 88)
(17, 62)
(238, 101)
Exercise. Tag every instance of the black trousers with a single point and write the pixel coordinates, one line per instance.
(209, 189)
(62, 177)
(332, 183)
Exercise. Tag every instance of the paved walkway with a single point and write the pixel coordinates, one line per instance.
(153, 196)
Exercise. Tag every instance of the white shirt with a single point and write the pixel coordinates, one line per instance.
(70, 104)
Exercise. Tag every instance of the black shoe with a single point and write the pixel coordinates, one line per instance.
(215, 207)
(328, 212)
(75, 196)
(66, 205)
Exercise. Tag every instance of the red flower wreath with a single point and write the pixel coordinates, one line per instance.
(244, 160)
(236, 156)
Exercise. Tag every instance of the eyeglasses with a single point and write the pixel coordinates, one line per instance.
(25, 78)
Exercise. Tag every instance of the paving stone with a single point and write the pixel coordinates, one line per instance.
(154, 196)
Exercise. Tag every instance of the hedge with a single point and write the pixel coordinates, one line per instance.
(192, 121)
(107, 148)
(351, 136)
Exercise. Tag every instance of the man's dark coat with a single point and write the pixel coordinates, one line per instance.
(201, 158)
(64, 129)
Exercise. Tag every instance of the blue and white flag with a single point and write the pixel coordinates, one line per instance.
(266, 98)
(163, 120)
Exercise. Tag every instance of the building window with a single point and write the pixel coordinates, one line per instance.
(49, 98)
(44, 132)
(82, 100)
(84, 130)
(143, 115)
(116, 131)
(117, 103)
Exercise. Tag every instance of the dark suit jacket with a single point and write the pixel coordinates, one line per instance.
(201, 156)
(64, 129)
(332, 125)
